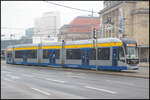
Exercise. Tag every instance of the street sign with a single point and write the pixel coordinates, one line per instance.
(121, 26)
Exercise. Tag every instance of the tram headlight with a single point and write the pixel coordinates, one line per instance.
(134, 62)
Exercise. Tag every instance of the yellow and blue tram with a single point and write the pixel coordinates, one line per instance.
(112, 54)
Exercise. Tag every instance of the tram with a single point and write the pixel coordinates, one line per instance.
(109, 54)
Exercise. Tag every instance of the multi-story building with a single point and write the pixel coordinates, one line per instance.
(5, 43)
(80, 28)
(29, 32)
(47, 27)
(127, 19)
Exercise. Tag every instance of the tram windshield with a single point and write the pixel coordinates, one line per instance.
(132, 53)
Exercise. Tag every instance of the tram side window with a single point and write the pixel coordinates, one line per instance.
(76, 53)
(73, 53)
(57, 54)
(93, 54)
(32, 54)
(19, 54)
(9, 54)
(121, 54)
(103, 53)
(45, 54)
(69, 53)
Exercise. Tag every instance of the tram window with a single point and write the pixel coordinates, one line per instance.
(76, 53)
(93, 54)
(73, 53)
(69, 53)
(45, 53)
(103, 53)
(121, 54)
(19, 54)
(57, 54)
(9, 54)
(32, 54)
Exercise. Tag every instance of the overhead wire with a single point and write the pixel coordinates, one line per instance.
(70, 7)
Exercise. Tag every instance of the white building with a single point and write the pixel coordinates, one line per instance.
(47, 25)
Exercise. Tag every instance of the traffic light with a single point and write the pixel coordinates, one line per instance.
(94, 33)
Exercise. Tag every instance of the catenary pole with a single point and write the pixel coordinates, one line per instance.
(123, 18)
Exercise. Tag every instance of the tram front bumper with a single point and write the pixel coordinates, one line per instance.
(132, 67)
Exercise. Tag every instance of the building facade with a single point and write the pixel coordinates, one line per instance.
(79, 28)
(29, 32)
(127, 19)
(46, 27)
(5, 43)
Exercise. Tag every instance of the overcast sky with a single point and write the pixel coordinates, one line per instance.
(21, 14)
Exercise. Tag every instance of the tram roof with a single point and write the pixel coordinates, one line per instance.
(31, 45)
(25, 45)
(89, 41)
(128, 40)
(52, 43)
(102, 40)
(11, 46)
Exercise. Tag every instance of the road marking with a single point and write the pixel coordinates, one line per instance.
(78, 77)
(103, 90)
(75, 76)
(120, 82)
(13, 77)
(60, 81)
(46, 93)
(8, 79)
(27, 75)
(81, 74)
(5, 72)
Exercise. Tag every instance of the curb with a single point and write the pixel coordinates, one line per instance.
(144, 66)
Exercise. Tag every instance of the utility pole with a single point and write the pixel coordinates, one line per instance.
(124, 19)
(94, 37)
(92, 25)
(101, 27)
(96, 52)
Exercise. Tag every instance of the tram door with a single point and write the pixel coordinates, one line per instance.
(115, 56)
(52, 56)
(25, 57)
(85, 56)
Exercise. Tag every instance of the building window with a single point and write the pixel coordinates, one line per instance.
(103, 53)
(144, 23)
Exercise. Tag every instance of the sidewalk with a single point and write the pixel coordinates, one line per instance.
(143, 64)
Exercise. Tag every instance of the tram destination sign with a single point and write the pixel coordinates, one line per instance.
(131, 45)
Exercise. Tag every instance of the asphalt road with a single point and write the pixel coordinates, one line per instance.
(28, 82)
